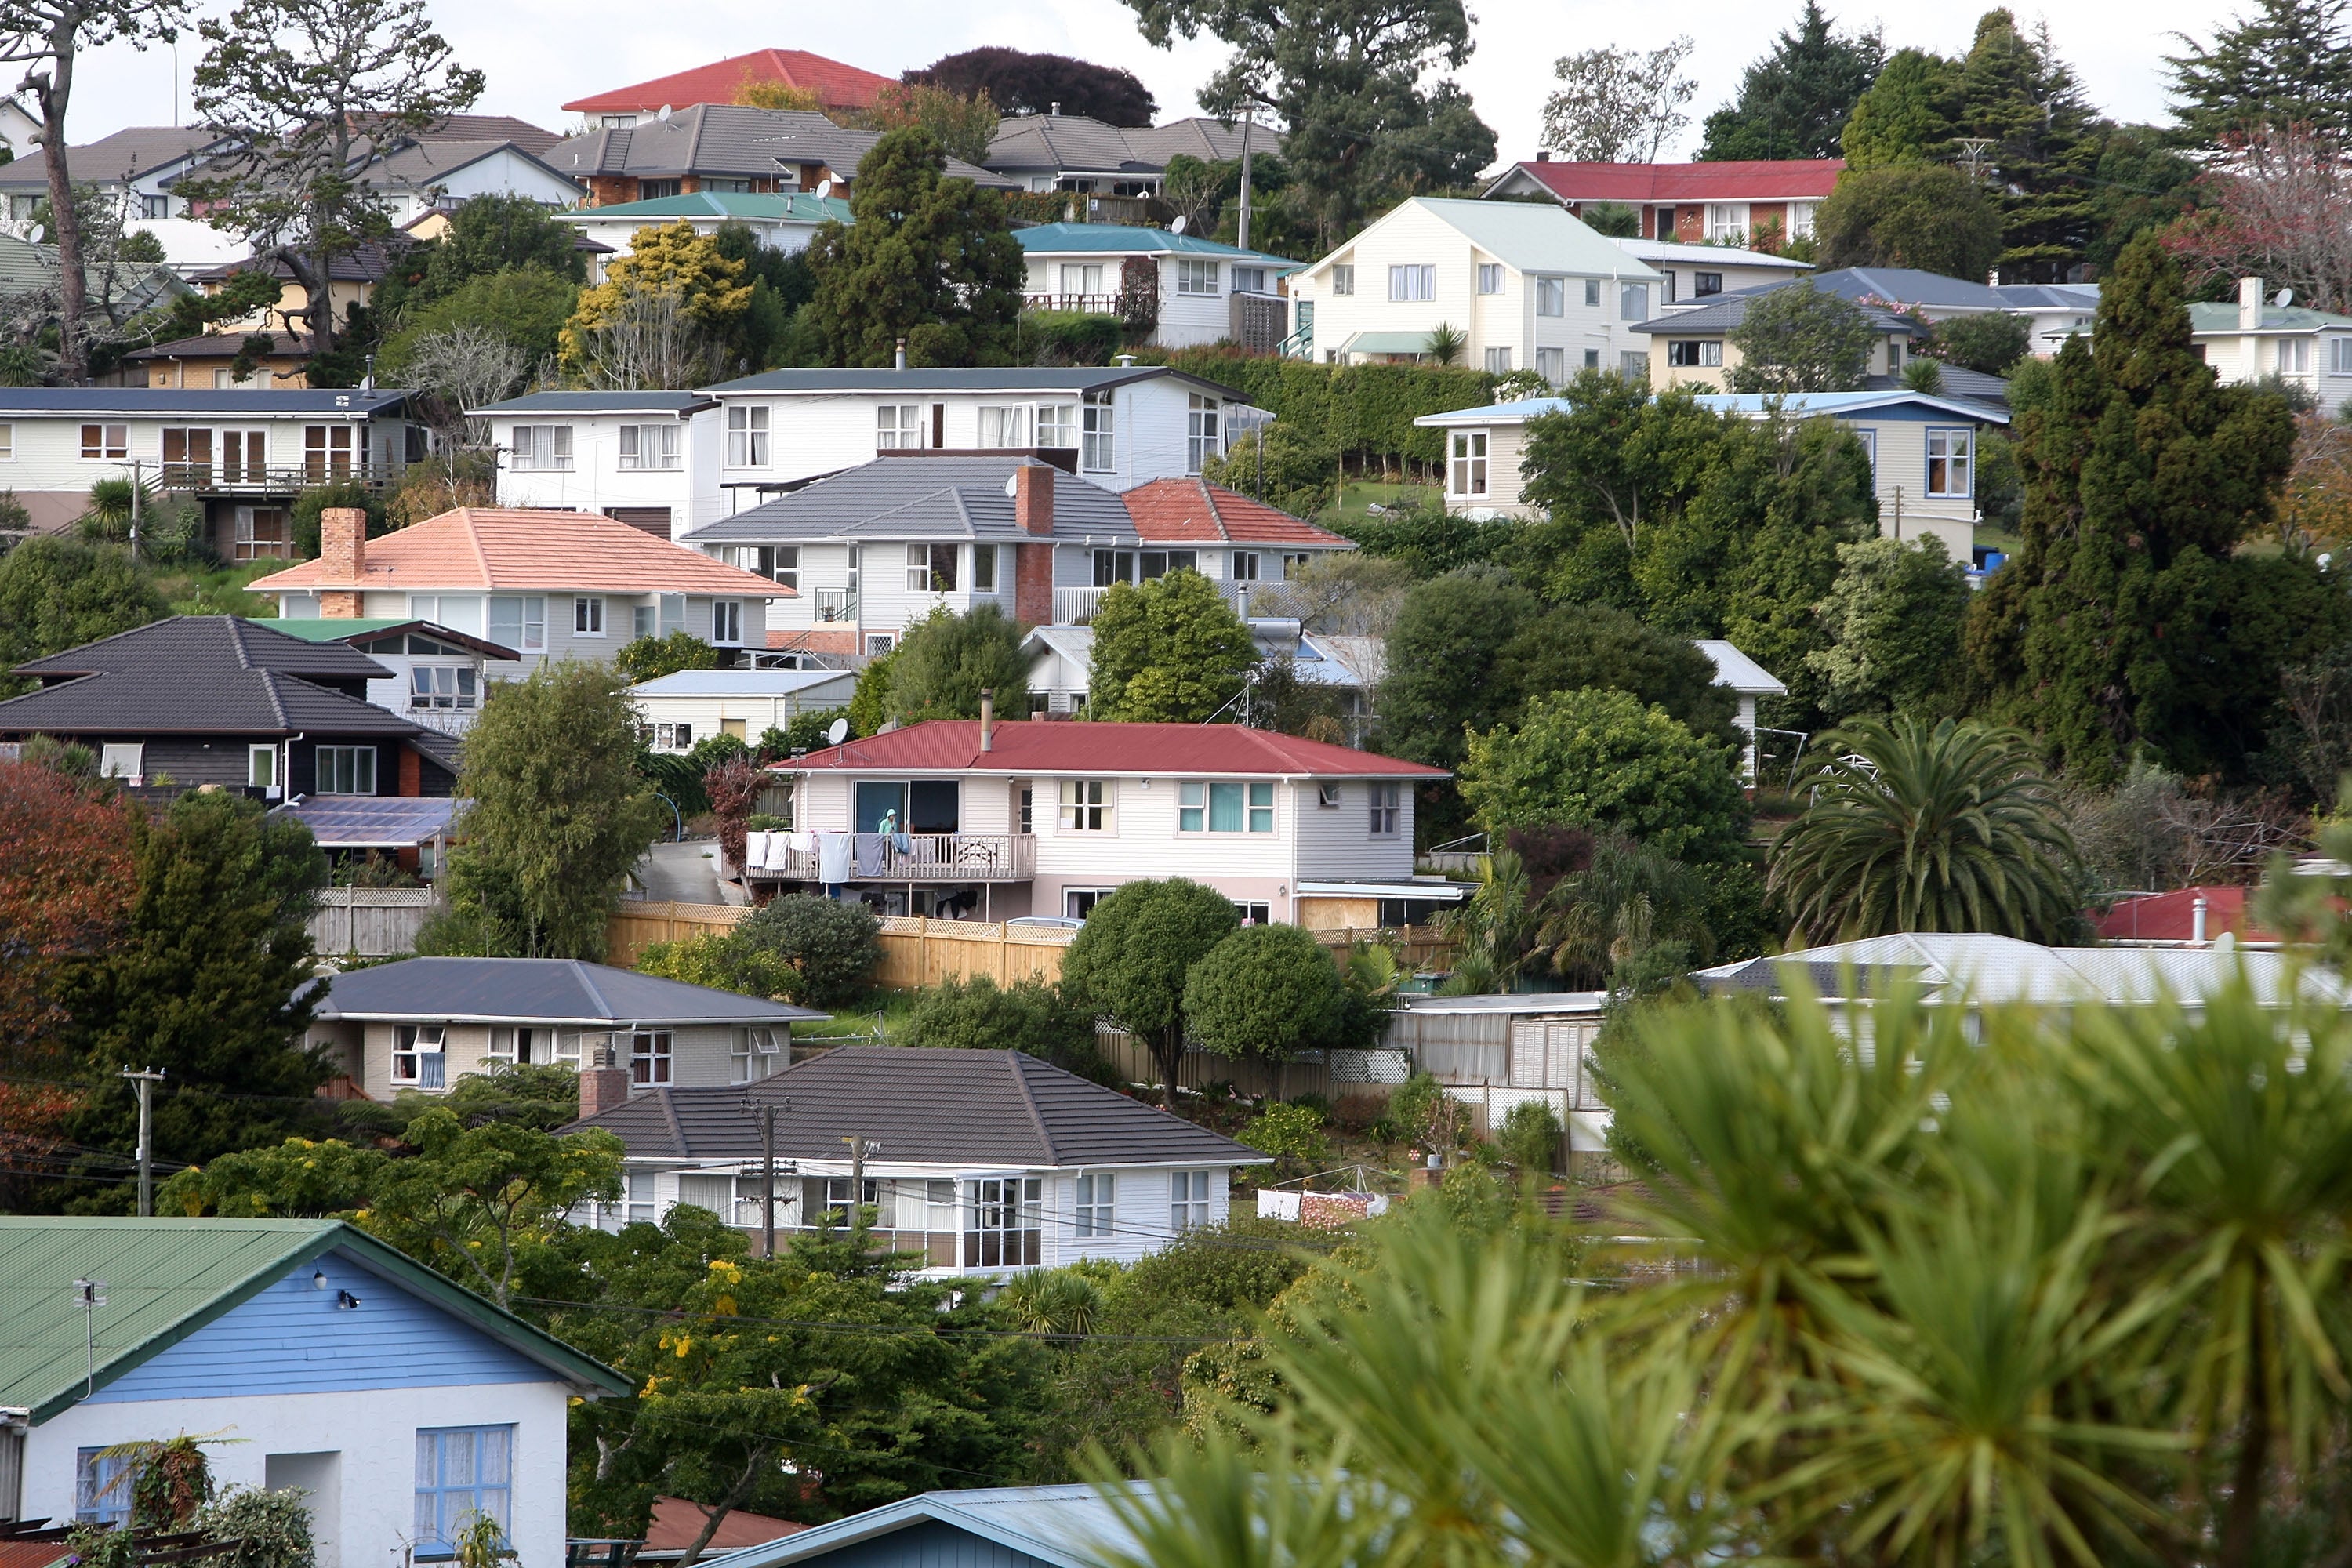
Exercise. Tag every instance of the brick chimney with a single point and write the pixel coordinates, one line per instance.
(343, 552)
(603, 1085)
(1032, 499)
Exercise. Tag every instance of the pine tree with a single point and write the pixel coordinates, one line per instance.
(2290, 63)
(2015, 91)
(1794, 101)
(2127, 618)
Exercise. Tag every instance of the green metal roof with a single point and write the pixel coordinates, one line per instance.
(2205, 316)
(1536, 238)
(721, 204)
(167, 1278)
(1134, 239)
(1396, 343)
(336, 631)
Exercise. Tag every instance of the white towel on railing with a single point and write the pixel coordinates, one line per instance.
(755, 851)
(833, 856)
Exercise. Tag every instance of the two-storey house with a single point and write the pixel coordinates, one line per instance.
(724, 147)
(1696, 347)
(647, 458)
(1527, 287)
(1699, 274)
(1194, 291)
(135, 165)
(439, 676)
(2256, 337)
(781, 220)
(547, 584)
(1759, 202)
(834, 85)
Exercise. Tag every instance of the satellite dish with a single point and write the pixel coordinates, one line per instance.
(662, 114)
(1013, 487)
(824, 189)
(837, 732)
(40, 235)
(2282, 298)
(1177, 227)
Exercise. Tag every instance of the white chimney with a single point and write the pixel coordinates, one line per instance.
(2250, 304)
(2197, 921)
(987, 720)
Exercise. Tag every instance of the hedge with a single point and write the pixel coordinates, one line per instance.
(1361, 411)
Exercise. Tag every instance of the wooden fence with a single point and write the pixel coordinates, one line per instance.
(370, 922)
(915, 951)
(1311, 1074)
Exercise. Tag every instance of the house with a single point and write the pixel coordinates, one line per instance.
(1112, 171)
(210, 359)
(549, 584)
(454, 163)
(439, 676)
(352, 277)
(1120, 426)
(1064, 656)
(783, 220)
(1528, 287)
(1040, 817)
(196, 700)
(725, 148)
(1194, 291)
(677, 710)
(983, 1162)
(1922, 447)
(2256, 338)
(650, 460)
(1068, 1526)
(834, 85)
(137, 164)
(1695, 348)
(1765, 200)
(1201, 136)
(2054, 311)
(1752, 681)
(18, 127)
(243, 455)
(875, 548)
(1697, 274)
(2185, 917)
(316, 1356)
(424, 1023)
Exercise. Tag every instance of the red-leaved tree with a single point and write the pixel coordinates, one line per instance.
(734, 787)
(2277, 199)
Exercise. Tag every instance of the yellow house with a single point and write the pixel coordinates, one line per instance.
(1694, 348)
(352, 280)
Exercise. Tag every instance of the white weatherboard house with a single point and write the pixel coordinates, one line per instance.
(983, 1162)
(676, 710)
(1529, 287)
(1201, 291)
(2256, 338)
(784, 220)
(1696, 274)
(403, 1403)
(647, 458)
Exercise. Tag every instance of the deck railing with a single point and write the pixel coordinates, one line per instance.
(226, 477)
(837, 604)
(926, 858)
(1076, 606)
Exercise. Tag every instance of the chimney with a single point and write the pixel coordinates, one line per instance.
(342, 542)
(987, 719)
(901, 362)
(602, 1086)
(1058, 110)
(2196, 909)
(1032, 498)
(2250, 304)
(1543, 157)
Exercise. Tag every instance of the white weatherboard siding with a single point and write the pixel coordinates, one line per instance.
(505, 173)
(373, 1432)
(597, 482)
(1506, 450)
(1186, 321)
(743, 715)
(467, 610)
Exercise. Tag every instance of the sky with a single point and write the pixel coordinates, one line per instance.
(539, 53)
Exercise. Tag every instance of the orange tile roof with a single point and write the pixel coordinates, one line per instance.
(836, 86)
(503, 547)
(1024, 746)
(812, 639)
(1187, 509)
(675, 1523)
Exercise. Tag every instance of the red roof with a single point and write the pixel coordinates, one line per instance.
(2172, 917)
(836, 86)
(1752, 179)
(1161, 750)
(1184, 510)
(677, 1522)
(812, 639)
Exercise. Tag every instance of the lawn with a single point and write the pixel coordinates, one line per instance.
(1356, 497)
(195, 590)
(887, 1011)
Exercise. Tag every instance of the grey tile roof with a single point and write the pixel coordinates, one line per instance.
(943, 1106)
(216, 644)
(1210, 141)
(428, 161)
(725, 138)
(158, 402)
(545, 990)
(1056, 143)
(921, 497)
(1072, 381)
(1729, 309)
(1954, 381)
(257, 703)
(126, 155)
(600, 403)
(1909, 286)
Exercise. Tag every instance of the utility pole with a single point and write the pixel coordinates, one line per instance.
(144, 1083)
(1242, 237)
(860, 1147)
(767, 1118)
(135, 464)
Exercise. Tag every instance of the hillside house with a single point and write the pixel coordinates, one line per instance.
(136, 165)
(439, 675)
(726, 148)
(834, 84)
(2256, 338)
(781, 220)
(1695, 348)
(1699, 274)
(678, 711)
(1756, 201)
(1195, 291)
(650, 460)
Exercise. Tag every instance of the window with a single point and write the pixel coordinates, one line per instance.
(1634, 364)
(447, 687)
(522, 1044)
(1895, 357)
(984, 569)
(1244, 567)
(1800, 219)
(1255, 914)
(1551, 296)
(1384, 809)
(673, 737)
(1086, 805)
(1498, 361)
(1114, 566)
(781, 562)
(588, 616)
(1004, 427)
(1951, 455)
(102, 1487)
(1201, 441)
(520, 622)
(1667, 293)
(1028, 808)
(650, 445)
(416, 1055)
(8, 443)
(1469, 475)
(1592, 290)
(1195, 275)
(1553, 365)
(1327, 797)
(2294, 356)
(1204, 807)
(1160, 563)
(1395, 912)
(1592, 359)
(245, 455)
(1003, 1231)
(1869, 439)
(879, 642)
(726, 623)
(930, 568)
(1634, 303)
(346, 770)
(756, 1053)
(262, 533)
(1057, 425)
(1095, 1205)
(1249, 279)
(463, 1471)
(1082, 277)
(1413, 282)
(1188, 1199)
(1098, 440)
(1704, 283)
(649, 1056)
(1078, 903)
(187, 456)
(1695, 352)
(327, 451)
(261, 767)
(1343, 279)
(1490, 277)
(537, 448)
(2339, 357)
(1727, 220)
(104, 441)
(898, 427)
(121, 760)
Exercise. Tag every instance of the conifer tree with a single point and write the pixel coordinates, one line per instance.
(2289, 63)
(1794, 103)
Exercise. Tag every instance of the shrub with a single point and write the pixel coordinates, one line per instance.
(1267, 992)
(1070, 337)
(310, 503)
(1287, 1132)
(1530, 1137)
(723, 963)
(833, 947)
(650, 658)
(1417, 1106)
(1032, 1017)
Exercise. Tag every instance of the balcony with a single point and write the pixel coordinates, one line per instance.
(920, 858)
(1082, 304)
(1076, 606)
(835, 604)
(229, 479)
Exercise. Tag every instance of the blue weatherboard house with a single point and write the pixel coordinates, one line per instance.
(315, 1355)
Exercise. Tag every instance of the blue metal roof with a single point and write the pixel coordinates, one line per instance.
(1064, 1526)
(1134, 239)
(1836, 405)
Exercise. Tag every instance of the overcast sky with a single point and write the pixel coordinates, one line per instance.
(539, 53)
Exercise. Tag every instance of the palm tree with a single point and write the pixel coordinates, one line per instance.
(1950, 829)
(1445, 343)
(1631, 898)
(1492, 927)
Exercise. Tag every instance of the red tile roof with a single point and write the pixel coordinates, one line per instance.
(1040, 746)
(1756, 180)
(836, 86)
(677, 1522)
(33, 1554)
(812, 639)
(1182, 510)
(501, 547)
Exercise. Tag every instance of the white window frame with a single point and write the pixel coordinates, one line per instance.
(1343, 279)
(726, 623)
(649, 447)
(747, 436)
(1551, 296)
(1190, 1203)
(540, 449)
(1098, 434)
(1727, 220)
(1490, 277)
(1951, 447)
(1196, 806)
(8, 443)
(653, 1058)
(753, 1052)
(1011, 431)
(1498, 360)
(1412, 282)
(1593, 292)
(530, 620)
(413, 1043)
(1247, 280)
(112, 445)
(1552, 365)
(2294, 356)
(588, 614)
(1387, 811)
(1243, 567)
(1201, 442)
(1096, 1206)
(1088, 806)
(2339, 357)
(898, 427)
(925, 572)
(1327, 795)
(1466, 473)
(1196, 275)
(261, 768)
(122, 760)
(1057, 426)
(1632, 302)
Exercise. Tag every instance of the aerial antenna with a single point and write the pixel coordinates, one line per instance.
(837, 732)
(1177, 227)
(1972, 154)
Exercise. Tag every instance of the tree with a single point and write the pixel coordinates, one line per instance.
(498, 233)
(1992, 342)
(525, 307)
(660, 310)
(1618, 106)
(650, 658)
(1598, 758)
(1531, 1138)
(946, 660)
(1628, 911)
(2288, 64)
(1949, 829)
(734, 787)
(2128, 617)
(1132, 959)
(1600, 645)
(832, 946)
(1907, 116)
(1169, 651)
(1934, 219)
(1794, 102)
(1351, 85)
(2275, 194)
(56, 594)
(303, 88)
(48, 36)
(1023, 83)
(1031, 1015)
(465, 367)
(965, 124)
(1798, 338)
(1266, 993)
(1893, 618)
(559, 819)
(928, 259)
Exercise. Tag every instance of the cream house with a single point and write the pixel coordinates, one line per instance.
(1695, 348)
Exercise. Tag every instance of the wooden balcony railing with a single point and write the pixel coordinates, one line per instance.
(271, 479)
(899, 858)
(1084, 304)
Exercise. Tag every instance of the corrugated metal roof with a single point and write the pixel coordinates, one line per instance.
(374, 822)
(1740, 672)
(671, 403)
(542, 990)
(1987, 970)
(1536, 237)
(1134, 239)
(738, 682)
(1069, 1526)
(1024, 746)
(1835, 405)
(211, 403)
(2206, 316)
(1726, 255)
(1726, 180)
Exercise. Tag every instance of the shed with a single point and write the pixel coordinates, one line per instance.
(1493, 1052)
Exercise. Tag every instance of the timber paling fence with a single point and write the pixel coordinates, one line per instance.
(369, 922)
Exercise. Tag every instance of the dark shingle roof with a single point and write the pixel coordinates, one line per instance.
(945, 1107)
(548, 989)
(922, 497)
(208, 643)
(1210, 141)
(1728, 310)
(127, 155)
(1060, 141)
(725, 138)
(163, 402)
(197, 702)
(679, 403)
